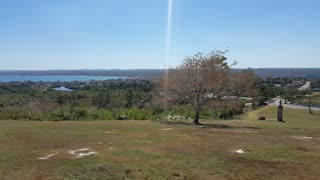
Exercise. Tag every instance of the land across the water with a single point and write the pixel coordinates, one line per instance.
(53, 78)
(308, 73)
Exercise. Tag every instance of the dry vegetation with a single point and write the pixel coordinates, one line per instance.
(154, 150)
(205, 78)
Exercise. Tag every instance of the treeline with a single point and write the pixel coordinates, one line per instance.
(105, 100)
(16, 88)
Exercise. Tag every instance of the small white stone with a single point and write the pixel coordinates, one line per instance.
(307, 137)
(80, 155)
(47, 157)
(167, 129)
(78, 150)
(240, 151)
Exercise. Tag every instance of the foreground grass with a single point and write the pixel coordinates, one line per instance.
(153, 150)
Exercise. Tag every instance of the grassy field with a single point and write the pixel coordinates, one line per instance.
(315, 101)
(154, 150)
(316, 93)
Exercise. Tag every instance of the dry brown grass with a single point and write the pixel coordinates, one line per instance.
(142, 150)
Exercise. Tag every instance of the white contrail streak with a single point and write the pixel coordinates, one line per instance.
(167, 51)
(168, 36)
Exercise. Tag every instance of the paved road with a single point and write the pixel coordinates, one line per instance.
(293, 106)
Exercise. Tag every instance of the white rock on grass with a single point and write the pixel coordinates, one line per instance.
(79, 153)
(240, 151)
(47, 157)
(167, 129)
(306, 137)
(76, 151)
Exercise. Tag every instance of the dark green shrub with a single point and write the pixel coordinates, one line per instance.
(59, 115)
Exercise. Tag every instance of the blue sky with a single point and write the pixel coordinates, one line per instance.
(127, 34)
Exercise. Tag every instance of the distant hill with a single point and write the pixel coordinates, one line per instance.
(308, 73)
(113, 72)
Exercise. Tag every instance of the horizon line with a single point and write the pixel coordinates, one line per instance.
(127, 69)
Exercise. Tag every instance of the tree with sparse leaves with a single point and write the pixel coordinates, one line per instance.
(203, 78)
(199, 79)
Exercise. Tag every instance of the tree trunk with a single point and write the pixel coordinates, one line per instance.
(309, 105)
(196, 118)
(310, 110)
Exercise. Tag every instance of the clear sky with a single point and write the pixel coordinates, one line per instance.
(127, 34)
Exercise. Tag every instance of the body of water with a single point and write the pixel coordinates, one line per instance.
(62, 88)
(54, 78)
